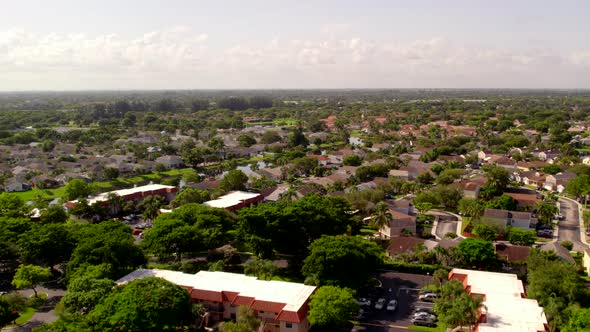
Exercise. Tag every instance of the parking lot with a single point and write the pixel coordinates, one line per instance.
(402, 287)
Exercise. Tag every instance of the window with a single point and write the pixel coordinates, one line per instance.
(288, 325)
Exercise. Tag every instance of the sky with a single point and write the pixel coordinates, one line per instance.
(255, 44)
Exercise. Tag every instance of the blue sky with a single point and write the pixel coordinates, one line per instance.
(151, 44)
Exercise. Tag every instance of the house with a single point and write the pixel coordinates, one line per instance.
(276, 173)
(533, 178)
(170, 161)
(206, 184)
(400, 222)
(559, 181)
(403, 244)
(400, 205)
(531, 165)
(281, 306)
(504, 218)
(548, 155)
(235, 200)
(14, 185)
(560, 251)
(504, 300)
(470, 188)
(524, 201)
(513, 253)
(507, 163)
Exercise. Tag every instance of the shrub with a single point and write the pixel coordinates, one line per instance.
(412, 267)
(569, 245)
(451, 235)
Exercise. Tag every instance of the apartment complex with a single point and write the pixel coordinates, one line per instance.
(235, 200)
(281, 306)
(505, 306)
(135, 194)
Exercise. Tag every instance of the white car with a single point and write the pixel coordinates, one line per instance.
(424, 315)
(380, 304)
(430, 297)
(363, 302)
(392, 305)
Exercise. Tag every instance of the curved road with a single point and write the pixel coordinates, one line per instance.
(569, 228)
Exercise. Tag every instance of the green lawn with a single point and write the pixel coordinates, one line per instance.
(439, 328)
(25, 316)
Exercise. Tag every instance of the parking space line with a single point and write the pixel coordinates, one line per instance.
(385, 325)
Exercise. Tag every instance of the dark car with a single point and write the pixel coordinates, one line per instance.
(423, 321)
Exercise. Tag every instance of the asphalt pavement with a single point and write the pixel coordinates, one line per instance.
(569, 228)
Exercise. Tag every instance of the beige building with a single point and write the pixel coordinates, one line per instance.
(505, 306)
(400, 222)
(281, 306)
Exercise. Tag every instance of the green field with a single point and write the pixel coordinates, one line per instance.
(25, 316)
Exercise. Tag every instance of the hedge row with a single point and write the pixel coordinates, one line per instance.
(413, 267)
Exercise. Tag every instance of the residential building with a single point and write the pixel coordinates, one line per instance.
(170, 161)
(281, 306)
(505, 306)
(400, 222)
(562, 253)
(504, 218)
(525, 201)
(586, 260)
(559, 181)
(135, 194)
(235, 200)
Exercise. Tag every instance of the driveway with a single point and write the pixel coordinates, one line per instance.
(447, 223)
(45, 314)
(569, 228)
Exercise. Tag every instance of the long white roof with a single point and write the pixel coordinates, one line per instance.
(125, 192)
(231, 199)
(293, 295)
(506, 309)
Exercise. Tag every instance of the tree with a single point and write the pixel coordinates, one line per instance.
(76, 189)
(424, 207)
(504, 202)
(269, 137)
(578, 321)
(289, 227)
(54, 214)
(12, 206)
(6, 315)
(262, 268)
(49, 244)
(425, 178)
(448, 196)
(353, 160)
(498, 177)
(246, 321)
(455, 307)
(579, 186)
(190, 195)
(426, 197)
(109, 243)
(546, 212)
(381, 217)
(552, 169)
(440, 276)
(111, 173)
(485, 232)
(85, 292)
(30, 276)
(151, 206)
(297, 138)
(233, 180)
(331, 307)
(331, 257)
(521, 237)
(246, 140)
(149, 304)
(476, 253)
(471, 207)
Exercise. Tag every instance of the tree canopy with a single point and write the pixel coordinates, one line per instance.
(331, 307)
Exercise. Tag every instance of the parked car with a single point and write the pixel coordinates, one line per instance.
(380, 304)
(430, 297)
(425, 315)
(426, 291)
(392, 305)
(546, 233)
(423, 309)
(560, 217)
(424, 321)
(363, 302)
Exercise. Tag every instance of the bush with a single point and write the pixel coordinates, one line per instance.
(569, 245)
(36, 302)
(412, 267)
(451, 235)
(426, 234)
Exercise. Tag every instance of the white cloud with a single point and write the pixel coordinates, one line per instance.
(180, 57)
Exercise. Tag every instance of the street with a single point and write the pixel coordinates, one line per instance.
(569, 228)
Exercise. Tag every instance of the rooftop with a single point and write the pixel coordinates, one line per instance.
(127, 192)
(506, 307)
(231, 199)
(293, 295)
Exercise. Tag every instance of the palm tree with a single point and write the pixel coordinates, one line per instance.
(381, 216)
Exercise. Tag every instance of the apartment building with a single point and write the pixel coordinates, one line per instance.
(281, 306)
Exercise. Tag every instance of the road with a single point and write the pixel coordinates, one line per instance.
(569, 228)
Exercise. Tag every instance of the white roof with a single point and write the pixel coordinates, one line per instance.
(125, 192)
(231, 199)
(293, 295)
(506, 310)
